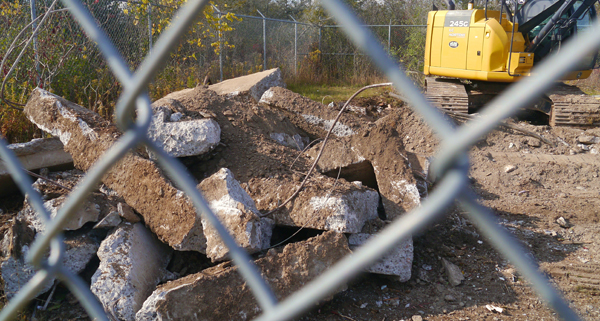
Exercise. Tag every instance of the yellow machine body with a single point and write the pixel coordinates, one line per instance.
(464, 44)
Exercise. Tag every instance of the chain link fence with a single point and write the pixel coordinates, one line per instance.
(450, 167)
(62, 60)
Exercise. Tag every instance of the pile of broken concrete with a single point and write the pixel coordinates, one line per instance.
(247, 141)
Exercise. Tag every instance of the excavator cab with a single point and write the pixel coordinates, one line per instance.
(531, 11)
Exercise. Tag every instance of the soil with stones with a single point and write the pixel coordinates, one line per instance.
(528, 184)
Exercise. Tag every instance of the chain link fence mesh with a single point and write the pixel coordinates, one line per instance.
(119, 54)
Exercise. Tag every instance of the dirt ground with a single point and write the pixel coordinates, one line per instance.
(543, 184)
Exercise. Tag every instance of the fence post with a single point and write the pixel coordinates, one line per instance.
(320, 27)
(295, 46)
(35, 47)
(264, 40)
(220, 46)
(390, 37)
(149, 27)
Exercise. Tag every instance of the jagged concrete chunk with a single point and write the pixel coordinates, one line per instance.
(377, 152)
(397, 262)
(253, 85)
(15, 245)
(126, 212)
(315, 118)
(132, 263)
(220, 293)
(455, 276)
(36, 154)
(236, 210)
(86, 136)
(89, 212)
(344, 209)
(185, 138)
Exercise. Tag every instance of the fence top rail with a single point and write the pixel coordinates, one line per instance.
(390, 25)
(269, 19)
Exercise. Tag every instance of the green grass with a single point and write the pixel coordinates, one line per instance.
(327, 94)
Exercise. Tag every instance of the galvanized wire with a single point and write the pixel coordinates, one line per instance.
(451, 169)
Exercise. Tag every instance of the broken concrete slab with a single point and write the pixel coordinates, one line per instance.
(39, 153)
(237, 212)
(87, 136)
(36, 154)
(184, 138)
(398, 262)
(319, 205)
(253, 85)
(132, 263)
(376, 157)
(16, 272)
(311, 116)
(220, 292)
(88, 212)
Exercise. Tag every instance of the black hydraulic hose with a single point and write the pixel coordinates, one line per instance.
(485, 11)
(509, 14)
(549, 26)
(512, 39)
(450, 4)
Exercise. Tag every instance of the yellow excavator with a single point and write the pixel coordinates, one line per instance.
(472, 55)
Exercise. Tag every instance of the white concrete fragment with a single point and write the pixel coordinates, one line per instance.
(588, 139)
(238, 213)
(253, 85)
(346, 213)
(132, 263)
(509, 168)
(185, 138)
(89, 212)
(16, 272)
(455, 276)
(408, 189)
(339, 130)
(296, 142)
(38, 153)
(397, 262)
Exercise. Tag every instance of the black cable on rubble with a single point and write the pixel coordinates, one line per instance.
(323, 146)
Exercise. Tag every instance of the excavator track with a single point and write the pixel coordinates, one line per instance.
(565, 105)
(448, 94)
(572, 107)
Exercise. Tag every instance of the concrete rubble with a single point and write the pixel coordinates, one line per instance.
(344, 209)
(398, 262)
(253, 85)
(87, 136)
(182, 138)
(132, 263)
(89, 212)
(453, 272)
(36, 154)
(377, 157)
(220, 293)
(314, 119)
(237, 212)
(240, 139)
(80, 248)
